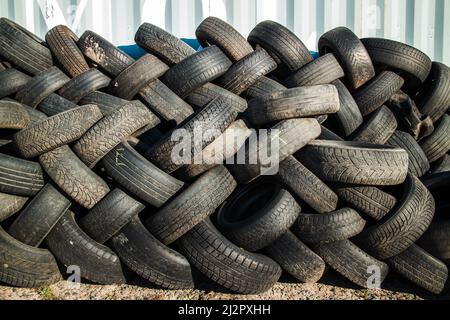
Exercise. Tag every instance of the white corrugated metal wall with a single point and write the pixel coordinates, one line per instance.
(422, 23)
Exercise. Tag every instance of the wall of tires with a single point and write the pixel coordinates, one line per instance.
(425, 24)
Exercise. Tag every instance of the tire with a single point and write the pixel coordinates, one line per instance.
(398, 230)
(348, 118)
(351, 54)
(13, 116)
(438, 144)
(105, 102)
(63, 45)
(73, 177)
(436, 240)
(104, 54)
(110, 215)
(296, 258)
(71, 246)
(281, 44)
(18, 47)
(164, 45)
(442, 165)
(10, 205)
(12, 81)
(106, 134)
(196, 70)
(150, 259)
(192, 206)
(305, 185)
(378, 128)
(351, 262)
(20, 177)
(55, 104)
(329, 227)
(421, 268)
(323, 70)
(408, 62)
(327, 134)
(294, 103)
(418, 162)
(41, 86)
(371, 201)
(247, 71)
(130, 81)
(207, 93)
(438, 185)
(25, 266)
(140, 177)
(262, 87)
(377, 92)
(84, 84)
(216, 116)
(225, 263)
(355, 162)
(56, 131)
(37, 220)
(256, 215)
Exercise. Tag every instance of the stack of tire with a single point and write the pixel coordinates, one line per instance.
(87, 176)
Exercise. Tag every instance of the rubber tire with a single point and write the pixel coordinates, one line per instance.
(150, 259)
(55, 104)
(84, 84)
(105, 102)
(56, 131)
(351, 54)
(438, 144)
(296, 258)
(225, 263)
(71, 246)
(207, 93)
(262, 87)
(192, 206)
(10, 205)
(442, 165)
(71, 175)
(348, 118)
(12, 81)
(13, 116)
(406, 223)
(256, 215)
(436, 240)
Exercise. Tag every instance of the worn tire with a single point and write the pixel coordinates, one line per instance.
(262, 87)
(84, 84)
(10, 205)
(105, 102)
(349, 117)
(13, 116)
(436, 240)
(55, 104)
(442, 165)
(202, 96)
(12, 81)
(438, 144)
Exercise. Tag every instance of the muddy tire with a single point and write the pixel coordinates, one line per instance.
(10, 205)
(13, 116)
(55, 104)
(12, 81)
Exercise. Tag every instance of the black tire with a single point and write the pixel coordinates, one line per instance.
(418, 162)
(106, 134)
(406, 223)
(22, 50)
(131, 80)
(164, 45)
(378, 128)
(25, 266)
(257, 214)
(202, 96)
(218, 115)
(56, 131)
(84, 84)
(10, 205)
(110, 215)
(351, 262)
(372, 201)
(20, 177)
(302, 102)
(140, 177)
(213, 31)
(262, 87)
(41, 86)
(442, 165)
(36, 116)
(351, 54)
(377, 92)
(225, 263)
(150, 259)
(296, 258)
(247, 71)
(71, 246)
(63, 45)
(196, 70)
(323, 70)
(438, 144)
(355, 162)
(105, 102)
(436, 240)
(349, 118)
(421, 268)
(192, 206)
(40, 216)
(73, 177)
(13, 116)
(55, 104)
(281, 44)
(327, 134)
(104, 54)
(305, 185)
(12, 81)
